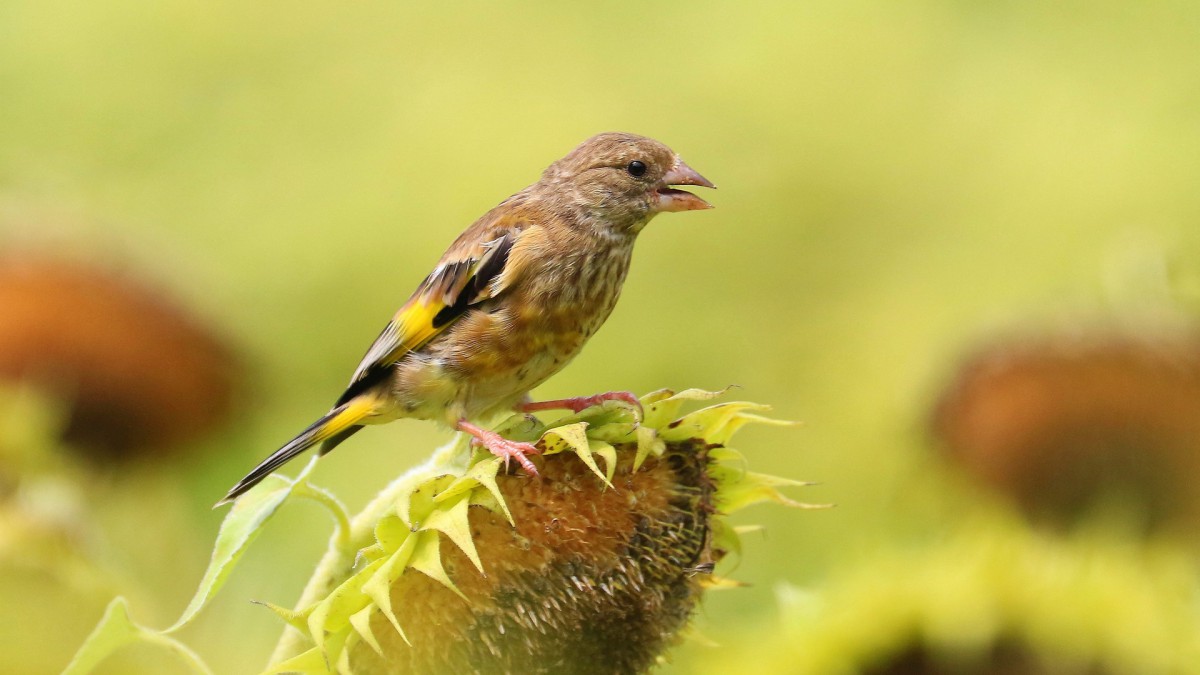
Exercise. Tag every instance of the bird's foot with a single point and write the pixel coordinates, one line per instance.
(501, 446)
(580, 403)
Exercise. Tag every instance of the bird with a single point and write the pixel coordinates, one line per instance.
(510, 302)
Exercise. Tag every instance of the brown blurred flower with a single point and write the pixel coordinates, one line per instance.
(137, 372)
(1059, 424)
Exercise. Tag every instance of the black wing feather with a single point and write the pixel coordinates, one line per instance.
(487, 269)
(490, 267)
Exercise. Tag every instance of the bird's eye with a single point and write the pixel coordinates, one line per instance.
(636, 169)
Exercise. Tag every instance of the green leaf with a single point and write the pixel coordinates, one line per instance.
(311, 662)
(648, 443)
(417, 506)
(177, 648)
(453, 521)
(567, 437)
(296, 619)
(361, 621)
(482, 472)
(485, 472)
(390, 533)
(751, 488)
(574, 437)
(715, 424)
(614, 432)
(427, 559)
(333, 613)
(662, 406)
(114, 631)
(240, 528)
(379, 586)
(343, 660)
(609, 453)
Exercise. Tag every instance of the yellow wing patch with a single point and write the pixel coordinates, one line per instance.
(414, 327)
(452, 289)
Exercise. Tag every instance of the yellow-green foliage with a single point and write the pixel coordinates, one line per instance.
(996, 594)
(403, 529)
(432, 502)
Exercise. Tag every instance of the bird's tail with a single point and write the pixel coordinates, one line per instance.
(335, 427)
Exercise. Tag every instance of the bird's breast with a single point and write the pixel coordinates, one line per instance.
(574, 297)
(545, 322)
(498, 352)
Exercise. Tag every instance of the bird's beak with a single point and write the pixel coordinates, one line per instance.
(670, 199)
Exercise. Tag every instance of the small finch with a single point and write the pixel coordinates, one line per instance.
(511, 302)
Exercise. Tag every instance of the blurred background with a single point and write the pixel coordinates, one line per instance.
(958, 240)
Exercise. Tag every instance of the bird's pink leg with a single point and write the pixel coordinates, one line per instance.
(501, 446)
(580, 402)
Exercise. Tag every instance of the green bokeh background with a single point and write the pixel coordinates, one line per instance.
(896, 180)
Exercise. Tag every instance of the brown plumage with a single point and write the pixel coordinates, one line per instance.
(512, 300)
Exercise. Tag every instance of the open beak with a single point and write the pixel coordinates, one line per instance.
(670, 199)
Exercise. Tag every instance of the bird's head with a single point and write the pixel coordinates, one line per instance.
(622, 180)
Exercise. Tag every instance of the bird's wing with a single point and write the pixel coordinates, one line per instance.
(468, 275)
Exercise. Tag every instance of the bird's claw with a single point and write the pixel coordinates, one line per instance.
(501, 446)
(511, 450)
